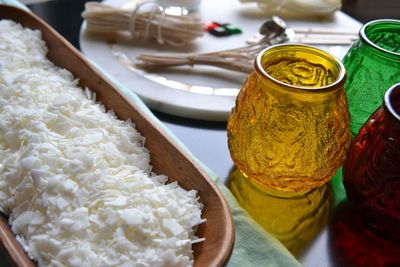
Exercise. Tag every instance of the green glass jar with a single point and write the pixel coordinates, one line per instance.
(373, 65)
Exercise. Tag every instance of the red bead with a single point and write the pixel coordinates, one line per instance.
(211, 26)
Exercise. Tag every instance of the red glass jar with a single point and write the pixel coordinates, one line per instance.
(371, 173)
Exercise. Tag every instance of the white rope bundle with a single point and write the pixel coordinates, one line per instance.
(238, 59)
(154, 23)
(297, 8)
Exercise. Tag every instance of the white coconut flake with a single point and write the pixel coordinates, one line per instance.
(75, 181)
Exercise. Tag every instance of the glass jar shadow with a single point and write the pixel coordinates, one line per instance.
(294, 220)
(354, 243)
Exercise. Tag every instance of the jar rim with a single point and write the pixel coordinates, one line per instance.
(341, 75)
(388, 102)
(364, 37)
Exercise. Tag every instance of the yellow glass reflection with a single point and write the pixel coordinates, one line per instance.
(294, 220)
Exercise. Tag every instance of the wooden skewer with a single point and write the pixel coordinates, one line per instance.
(239, 59)
(324, 31)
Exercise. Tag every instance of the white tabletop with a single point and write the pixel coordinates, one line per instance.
(201, 92)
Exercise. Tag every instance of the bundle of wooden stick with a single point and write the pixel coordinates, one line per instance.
(147, 20)
(239, 59)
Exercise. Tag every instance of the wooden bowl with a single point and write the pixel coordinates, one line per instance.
(166, 156)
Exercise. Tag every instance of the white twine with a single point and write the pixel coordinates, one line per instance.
(133, 18)
(155, 22)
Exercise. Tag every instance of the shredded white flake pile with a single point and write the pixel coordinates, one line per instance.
(76, 181)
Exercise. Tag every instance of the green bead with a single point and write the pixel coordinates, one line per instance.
(231, 29)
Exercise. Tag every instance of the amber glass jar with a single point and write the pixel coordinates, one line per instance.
(289, 130)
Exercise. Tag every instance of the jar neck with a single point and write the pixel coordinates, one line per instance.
(278, 64)
(376, 36)
(391, 105)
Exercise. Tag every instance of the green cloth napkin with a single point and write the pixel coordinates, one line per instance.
(253, 245)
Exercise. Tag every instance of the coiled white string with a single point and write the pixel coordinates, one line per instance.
(142, 24)
(132, 21)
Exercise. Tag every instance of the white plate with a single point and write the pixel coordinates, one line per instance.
(201, 92)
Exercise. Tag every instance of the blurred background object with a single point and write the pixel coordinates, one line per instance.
(301, 9)
(362, 10)
(366, 10)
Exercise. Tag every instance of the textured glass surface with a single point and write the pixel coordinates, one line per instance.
(373, 65)
(288, 132)
(372, 169)
(295, 221)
